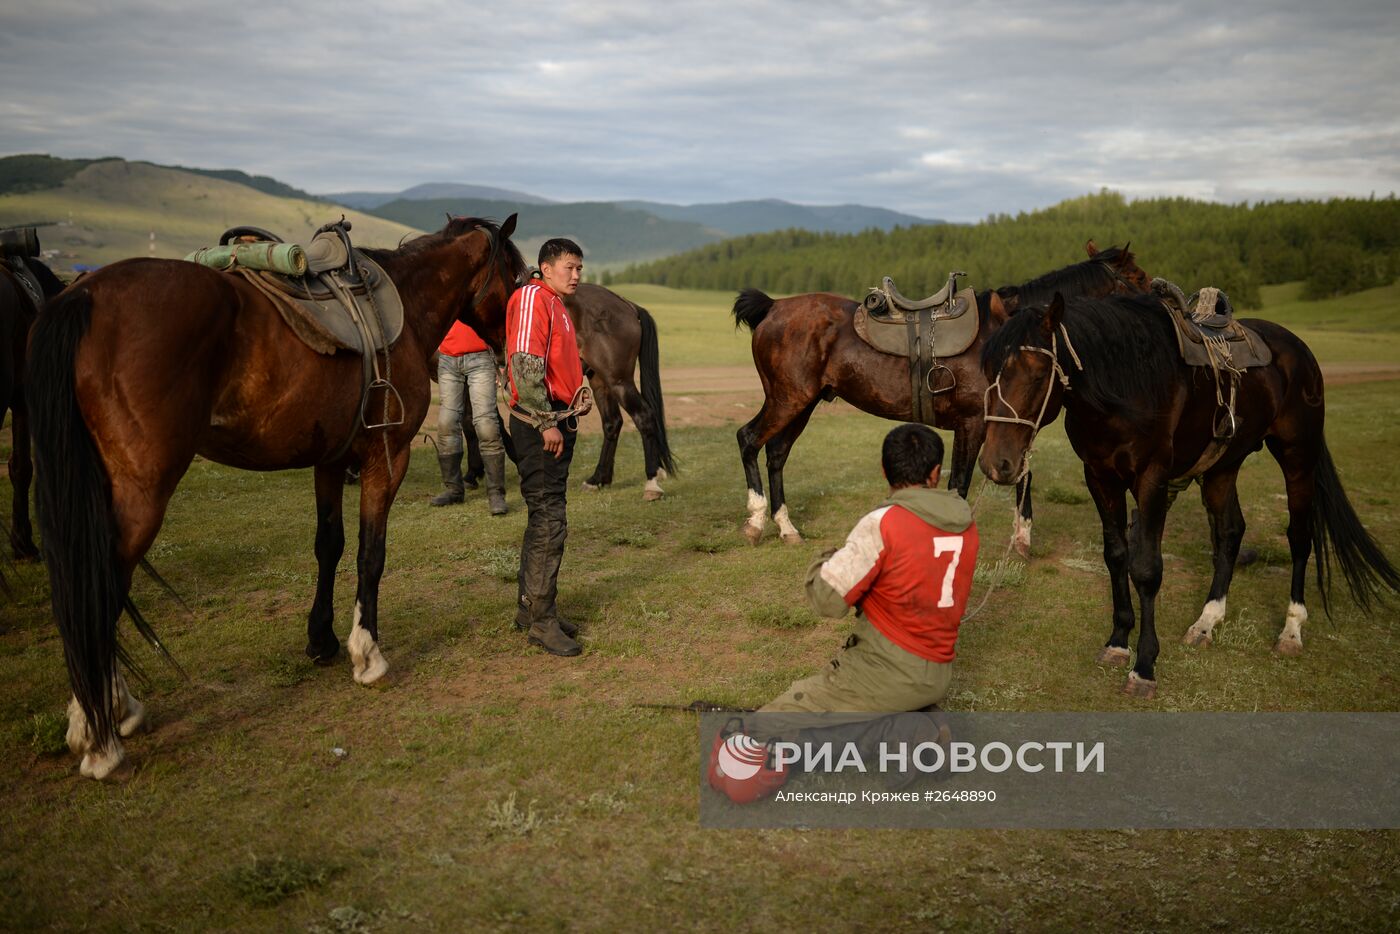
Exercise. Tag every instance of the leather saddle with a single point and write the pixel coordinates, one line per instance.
(1207, 333)
(920, 331)
(337, 305)
(884, 319)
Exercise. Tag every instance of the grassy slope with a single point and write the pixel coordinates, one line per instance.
(239, 768)
(108, 210)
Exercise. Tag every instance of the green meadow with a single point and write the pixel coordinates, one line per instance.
(485, 785)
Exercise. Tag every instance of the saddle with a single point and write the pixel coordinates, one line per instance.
(920, 331)
(343, 301)
(1208, 336)
(335, 305)
(1207, 333)
(16, 245)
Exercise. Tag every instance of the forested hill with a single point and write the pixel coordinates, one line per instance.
(1336, 246)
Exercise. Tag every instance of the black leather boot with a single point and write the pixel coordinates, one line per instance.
(495, 465)
(451, 467)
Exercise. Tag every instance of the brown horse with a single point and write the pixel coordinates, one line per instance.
(1141, 419)
(614, 336)
(806, 350)
(17, 313)
(146, 363)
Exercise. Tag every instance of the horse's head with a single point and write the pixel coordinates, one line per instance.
(1123, 263)
(1026, 384)
(497, 268)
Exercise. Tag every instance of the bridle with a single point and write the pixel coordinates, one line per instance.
(496, 259)
(1057, 372)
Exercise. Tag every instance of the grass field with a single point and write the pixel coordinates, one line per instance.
(487, 785)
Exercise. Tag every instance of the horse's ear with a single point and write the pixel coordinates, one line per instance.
(508, 227)
(1091, 249)
(1054, 314)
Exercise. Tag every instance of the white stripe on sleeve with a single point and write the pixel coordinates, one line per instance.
(527, 319)
(848, 567)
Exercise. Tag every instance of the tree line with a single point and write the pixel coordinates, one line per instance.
(1335, 247)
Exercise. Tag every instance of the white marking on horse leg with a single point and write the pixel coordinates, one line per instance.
(786, 530)
(1202, 631)
(1021, 535)
(653, 490)
(1290, 641)
(99, 764)
(368, 661)
(661, 474)
(590, 487)
(129, 712)
(78, 736)
(758, 517)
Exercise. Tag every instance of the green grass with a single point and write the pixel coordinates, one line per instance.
(485, 784)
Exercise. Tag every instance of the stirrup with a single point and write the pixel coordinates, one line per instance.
(380, 383)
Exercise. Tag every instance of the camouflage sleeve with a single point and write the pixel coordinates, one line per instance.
(528, 373)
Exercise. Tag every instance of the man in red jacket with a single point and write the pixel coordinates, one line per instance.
(907, 568)
(467, 381)
(545, 379)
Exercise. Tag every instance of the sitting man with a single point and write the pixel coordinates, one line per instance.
(907, 567)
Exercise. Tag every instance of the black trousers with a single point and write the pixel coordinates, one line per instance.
(544, 483)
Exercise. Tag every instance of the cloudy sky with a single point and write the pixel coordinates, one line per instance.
(952, 110)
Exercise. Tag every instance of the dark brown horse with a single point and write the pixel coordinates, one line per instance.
(146, 363)
(614, 336)
(17, 313)
(806, 351)
(1138, 418)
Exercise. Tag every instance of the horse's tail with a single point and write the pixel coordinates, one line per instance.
(1338, 532)
(74, 510)
(751, 307)
(649, 357)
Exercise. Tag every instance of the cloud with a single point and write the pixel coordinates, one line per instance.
(941, 109)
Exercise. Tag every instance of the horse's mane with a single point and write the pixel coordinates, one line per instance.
(455, 227)
(1125, 343)
(1082, 278)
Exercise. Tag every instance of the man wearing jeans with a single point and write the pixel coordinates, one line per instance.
(545, 379)
(467, 371)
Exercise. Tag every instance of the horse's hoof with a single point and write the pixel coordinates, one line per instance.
(754, 533)
(1198, 637)
(1114, 656)
(651, 496)
(373, 669)
(323, 655)
(1023, 549)
(1138, 686)
(135, 719)
(591, 487)
(100, 765)
(791, 538)
(1288, 647)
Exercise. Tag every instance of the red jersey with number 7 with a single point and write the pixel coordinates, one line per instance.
(910, 578)
(537, 323)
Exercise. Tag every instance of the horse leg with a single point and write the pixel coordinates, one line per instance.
(21, 475)
(645, 420)
(770, 421)
(1145, 569)
(1110, 498)
(611, 415)
(776, 452)
(138, 507)
(1299, 463)
(1021, 520)
(1221, 499)
(321, 643)
(377, 492)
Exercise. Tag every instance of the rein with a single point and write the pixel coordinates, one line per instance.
(1057, 372)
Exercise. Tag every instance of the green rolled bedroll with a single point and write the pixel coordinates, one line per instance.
(287, 258)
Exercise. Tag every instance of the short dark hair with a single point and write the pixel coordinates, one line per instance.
(909, 455)
(557, 247)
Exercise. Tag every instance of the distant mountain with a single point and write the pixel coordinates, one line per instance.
(429, 191)
(263, 183)
(609, 233)
(746, 217)
(41, 172)
(108, 209)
